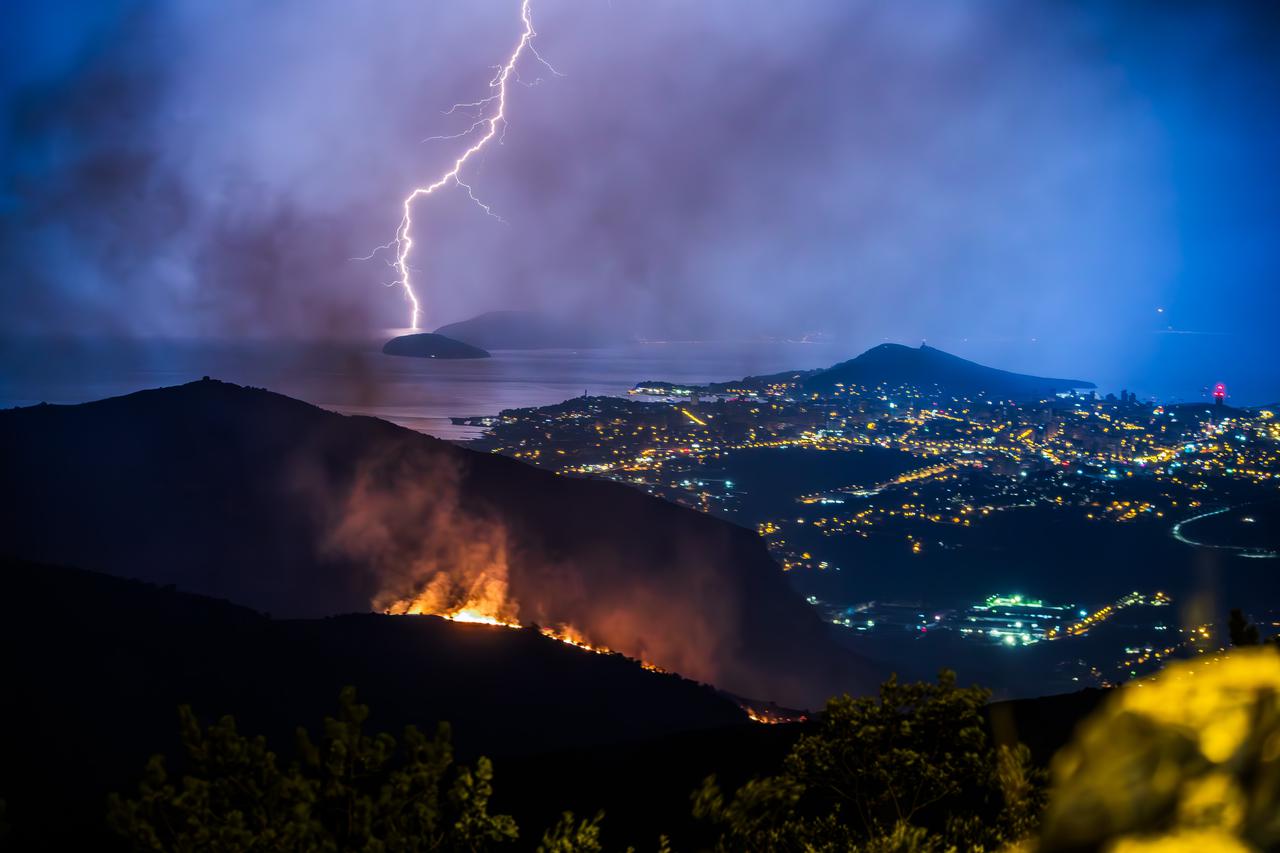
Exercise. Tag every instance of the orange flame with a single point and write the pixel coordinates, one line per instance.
(571, 636)
(758, 717)
(485, 602)
(477, 618)
(771, 715)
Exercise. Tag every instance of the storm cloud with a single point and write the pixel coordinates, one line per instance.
(997, 172)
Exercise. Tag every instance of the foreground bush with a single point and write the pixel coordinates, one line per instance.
(1186, 761)
(349, 791)
(910, 770)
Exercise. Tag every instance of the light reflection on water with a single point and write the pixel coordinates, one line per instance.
(420, 394)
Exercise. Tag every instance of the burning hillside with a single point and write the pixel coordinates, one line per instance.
(273, 503)
(493, 608)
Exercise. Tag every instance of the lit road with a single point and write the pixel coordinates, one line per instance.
(1244, 551)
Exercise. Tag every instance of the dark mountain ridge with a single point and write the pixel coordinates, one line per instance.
(95, 667)
(247, 495)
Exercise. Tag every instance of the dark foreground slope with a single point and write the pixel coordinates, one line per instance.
(925, 368)
(266, 501)
(95, 667)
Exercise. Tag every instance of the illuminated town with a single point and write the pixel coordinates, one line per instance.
(884, 476)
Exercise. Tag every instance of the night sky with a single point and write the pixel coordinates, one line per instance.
(1027, 182)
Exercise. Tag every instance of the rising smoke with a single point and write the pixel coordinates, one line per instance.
(401, 518)
(432, 530)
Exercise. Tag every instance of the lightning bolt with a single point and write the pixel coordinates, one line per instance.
(491, 123)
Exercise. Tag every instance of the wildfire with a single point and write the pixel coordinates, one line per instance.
(756, 716)
(499, 612)
(475, 616)
(486, 603)
(568, 634)
(571, 636)
(771, 715)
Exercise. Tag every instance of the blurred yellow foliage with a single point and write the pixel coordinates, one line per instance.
(1213, 699)
(1186, 760)
(1192, 841)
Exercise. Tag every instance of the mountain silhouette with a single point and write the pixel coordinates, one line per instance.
(928, 368)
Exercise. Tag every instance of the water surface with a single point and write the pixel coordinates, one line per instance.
(421, 394)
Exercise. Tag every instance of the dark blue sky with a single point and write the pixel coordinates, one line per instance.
(1027, 182)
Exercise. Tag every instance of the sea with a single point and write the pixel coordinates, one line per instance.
(424, 394)
(420, 394)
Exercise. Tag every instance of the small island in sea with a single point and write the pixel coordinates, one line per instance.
(431, 345)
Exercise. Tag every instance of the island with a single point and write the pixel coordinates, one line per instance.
(430, 345)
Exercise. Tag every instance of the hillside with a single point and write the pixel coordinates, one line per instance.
(526, 330)
(927, 368)
(272, 503)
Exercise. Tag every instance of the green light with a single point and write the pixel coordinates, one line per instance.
(1013, 601)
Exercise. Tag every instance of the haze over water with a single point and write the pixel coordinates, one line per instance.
(423, 394)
